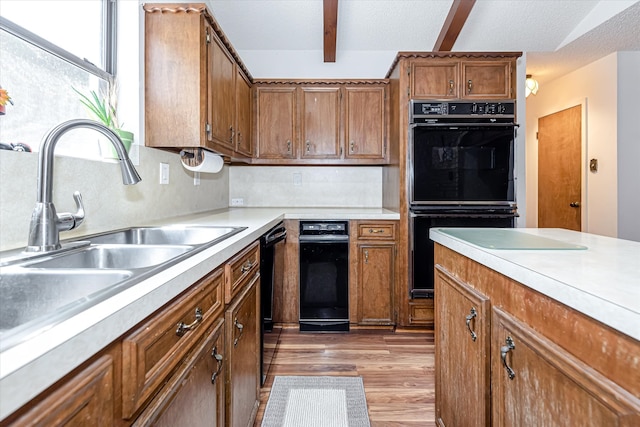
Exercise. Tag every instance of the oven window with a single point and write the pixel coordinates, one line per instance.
(462, 164)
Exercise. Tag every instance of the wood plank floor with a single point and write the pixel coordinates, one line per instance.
(397, 370)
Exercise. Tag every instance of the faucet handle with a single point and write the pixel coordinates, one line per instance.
(68, 221)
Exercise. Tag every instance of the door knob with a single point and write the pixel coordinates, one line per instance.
(574, 204)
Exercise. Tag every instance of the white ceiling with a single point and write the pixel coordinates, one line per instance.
(284, 38)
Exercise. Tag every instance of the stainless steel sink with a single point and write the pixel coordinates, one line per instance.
(40, 290)
(26, 294)
(114, 256)
(172, 235)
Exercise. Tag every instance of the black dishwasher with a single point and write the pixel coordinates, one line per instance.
(324, 276)
(271, 276)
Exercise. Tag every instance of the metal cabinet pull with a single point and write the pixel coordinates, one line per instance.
(451, 82)
(373, 230)
(240, 327)
(246, 267)
(366, 256)
(352, 146)
(288, 146)
(218, 357)
(503, 354)
(232, 133)
(472, 314)
(308, 143)
(574, 204)
(469, 85)
(183, 328)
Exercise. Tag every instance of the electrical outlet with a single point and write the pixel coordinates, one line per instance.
(239, 201)
(164, 173)
(297, 179)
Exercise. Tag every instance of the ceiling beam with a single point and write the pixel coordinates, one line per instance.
(452, 26)
(330, 11)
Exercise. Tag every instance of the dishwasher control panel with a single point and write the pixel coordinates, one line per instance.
(317, 228)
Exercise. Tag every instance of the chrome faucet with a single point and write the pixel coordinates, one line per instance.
(46, 224)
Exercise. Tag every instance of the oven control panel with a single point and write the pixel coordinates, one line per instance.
(462, 108)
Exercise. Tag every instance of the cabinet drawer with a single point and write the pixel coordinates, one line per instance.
(239, 269)
(156, 347)
(376, 231)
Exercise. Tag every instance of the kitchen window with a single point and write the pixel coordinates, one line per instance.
(48, 48)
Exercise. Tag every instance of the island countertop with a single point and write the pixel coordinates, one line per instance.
(596, 275)
(28, 368)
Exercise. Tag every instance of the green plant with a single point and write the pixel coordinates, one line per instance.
(101, 108)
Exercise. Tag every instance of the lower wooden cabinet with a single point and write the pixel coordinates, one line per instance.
(85, 399)
(372, 278)
(242, 346)
(462, 371)
(536, 382)
(509, 356)
(195, 394)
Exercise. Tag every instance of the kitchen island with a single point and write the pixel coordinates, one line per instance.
(547, 320)
(31, 366)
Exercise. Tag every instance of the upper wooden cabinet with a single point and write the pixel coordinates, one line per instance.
(458, 75)
(462, 79)
(197, 92)
(365, 122)
(276, 123)
(321, 122)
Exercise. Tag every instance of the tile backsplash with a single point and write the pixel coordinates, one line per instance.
(306, 186)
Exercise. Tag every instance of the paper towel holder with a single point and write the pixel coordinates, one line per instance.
(191, 156)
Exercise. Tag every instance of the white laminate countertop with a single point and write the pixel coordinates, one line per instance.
(601, 281)
(33, 365)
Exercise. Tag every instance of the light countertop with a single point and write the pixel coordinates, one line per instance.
(596, 275)
(31, 366)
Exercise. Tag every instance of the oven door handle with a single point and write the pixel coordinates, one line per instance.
(459, 125)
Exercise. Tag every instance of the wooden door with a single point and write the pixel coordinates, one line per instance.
(85, 399)
(243, 115)
(223, 95)
(242, 336)
(434, 79)
(535, 382)
(320, 123)
(365, 123)
(462, 353)
(375, 283)
(276, 127)
(194, 396)
(486, 80)
(559, 174)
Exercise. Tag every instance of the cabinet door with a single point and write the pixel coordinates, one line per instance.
(222, 79)
(177, 96)
(195, 395)
(434, 79)
(242, 336)
(365, 123)
(375, 283)
(152, 351)
(276, 133)
(320, 123)
(462, 353)
(486, 80)
(243, 115)
(536, 382)
(86, 399)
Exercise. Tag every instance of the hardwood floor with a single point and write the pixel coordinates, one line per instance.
(397, 370)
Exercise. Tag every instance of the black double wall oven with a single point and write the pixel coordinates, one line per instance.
(461, 174)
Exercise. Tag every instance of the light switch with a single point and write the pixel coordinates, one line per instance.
(164, 173)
